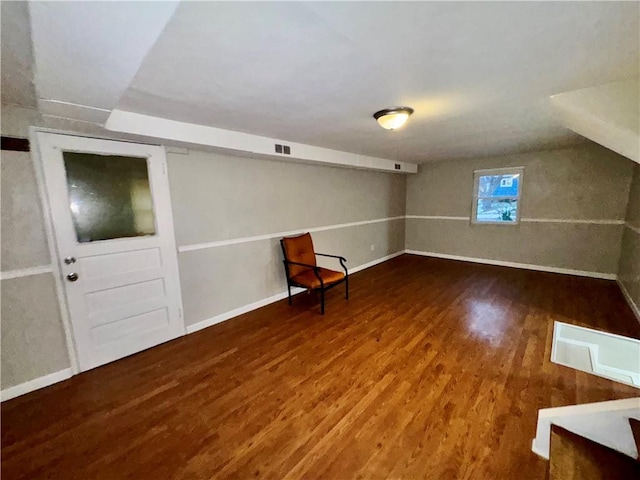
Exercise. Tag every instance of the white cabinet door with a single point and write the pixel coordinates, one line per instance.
(111, 215)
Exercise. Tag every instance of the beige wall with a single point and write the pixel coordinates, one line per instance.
(217, 197)
(214, 197)
(587, 182)
(33, 340)
(24, 242)
(629, 268)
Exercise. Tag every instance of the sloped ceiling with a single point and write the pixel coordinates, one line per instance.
(479, 75)
(606, 114)
(87, 53)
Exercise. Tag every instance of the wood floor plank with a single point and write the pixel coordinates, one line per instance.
(433, 369)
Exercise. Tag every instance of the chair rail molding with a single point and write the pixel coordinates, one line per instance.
(269, 236)
(25, 272)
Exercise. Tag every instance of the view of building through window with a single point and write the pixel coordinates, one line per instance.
(497, 195)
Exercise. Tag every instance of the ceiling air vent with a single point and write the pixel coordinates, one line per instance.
(286, 149)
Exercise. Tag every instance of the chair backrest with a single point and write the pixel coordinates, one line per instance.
(298, 249)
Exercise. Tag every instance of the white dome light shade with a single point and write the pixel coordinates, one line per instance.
(393, 118)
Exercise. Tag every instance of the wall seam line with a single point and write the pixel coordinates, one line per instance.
(528, 220)
(25, 272)
(632, 227)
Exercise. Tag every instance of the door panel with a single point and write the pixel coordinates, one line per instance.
(112, 269)
(112, 220)
(114, 299)
(141, 324)
(121, 262)
(109, 305)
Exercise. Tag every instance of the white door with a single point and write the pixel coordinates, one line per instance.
(111, 214)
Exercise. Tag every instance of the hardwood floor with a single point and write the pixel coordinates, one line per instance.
(433, 369)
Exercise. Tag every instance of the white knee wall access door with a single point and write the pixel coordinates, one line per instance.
(111, 215)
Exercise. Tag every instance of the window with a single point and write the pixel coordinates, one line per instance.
(110, 196)
(496, 196)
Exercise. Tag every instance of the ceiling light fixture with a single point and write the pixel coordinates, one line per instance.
(393, 118)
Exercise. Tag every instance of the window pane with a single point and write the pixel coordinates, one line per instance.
(498, 185)
(109, 196)
(503, 210)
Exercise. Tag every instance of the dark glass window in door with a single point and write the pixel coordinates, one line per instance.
(109, 196)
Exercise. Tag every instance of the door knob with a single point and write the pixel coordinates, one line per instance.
(72, 277)
(70, 260)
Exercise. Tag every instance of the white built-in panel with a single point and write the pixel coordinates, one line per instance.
(189, 133)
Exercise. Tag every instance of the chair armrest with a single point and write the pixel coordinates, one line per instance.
(331, 256)
(342, 261)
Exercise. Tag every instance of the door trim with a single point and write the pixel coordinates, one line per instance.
(36, 157)
(56, 267)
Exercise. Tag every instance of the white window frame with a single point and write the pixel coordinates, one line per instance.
(476, 185)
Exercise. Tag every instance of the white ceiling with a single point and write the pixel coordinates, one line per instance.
(479, 75)
(86, 53)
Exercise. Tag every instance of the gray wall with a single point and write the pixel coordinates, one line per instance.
(33, 340)
(629, 268)
(587, 182)
(216, 197)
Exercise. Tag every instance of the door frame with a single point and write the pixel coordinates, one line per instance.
(49, 226)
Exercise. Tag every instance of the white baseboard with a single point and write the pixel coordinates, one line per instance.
(634, 308)
(239, 311)
(275, 298)
(56, 377)
(540, 268)
(52, 378)
(35, 384)
(364, 266)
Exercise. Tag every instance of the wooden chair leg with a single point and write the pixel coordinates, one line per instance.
(289, 289)
(346, 281)
(322, 301)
